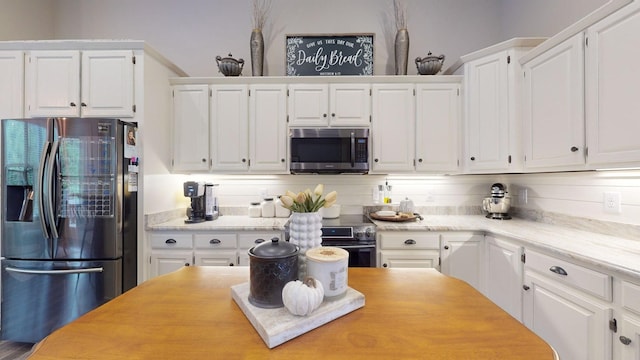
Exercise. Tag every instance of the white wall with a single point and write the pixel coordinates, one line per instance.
(192, 33)
(26, 19)
(542, 17)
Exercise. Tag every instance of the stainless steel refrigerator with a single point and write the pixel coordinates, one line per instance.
(69, 194)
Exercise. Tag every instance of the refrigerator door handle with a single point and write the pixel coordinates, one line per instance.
(39, 189)
(51, 193)
(56, 272)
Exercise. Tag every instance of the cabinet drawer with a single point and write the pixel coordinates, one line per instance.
(406, 241)
(215, 241)
(590, 281)
(247, 241)
(631, 296)
(171, 241)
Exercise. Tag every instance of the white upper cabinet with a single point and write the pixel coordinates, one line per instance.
(492, 109)
(349, 104)
(11, 84)
(612, 88)
(190, 127)
(553, 108)
(438, 108)
(229, 111)
(54, 78)
(329, 104)
(268, 128)
(107, 83)
(393, 127)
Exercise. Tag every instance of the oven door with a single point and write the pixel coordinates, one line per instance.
(361, 254)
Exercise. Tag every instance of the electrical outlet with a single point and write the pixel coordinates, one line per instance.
(430, 197)
(612, 203)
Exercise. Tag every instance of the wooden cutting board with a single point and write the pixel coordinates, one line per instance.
(396, 217)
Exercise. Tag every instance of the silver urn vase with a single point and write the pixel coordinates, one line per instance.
(256, 44)
(402, 51)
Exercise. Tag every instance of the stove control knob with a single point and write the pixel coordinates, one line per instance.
(359, 234)
(369, 232)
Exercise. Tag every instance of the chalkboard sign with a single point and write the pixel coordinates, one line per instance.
(330, 55)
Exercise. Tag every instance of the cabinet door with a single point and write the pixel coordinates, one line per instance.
(107, 83)
(409, 259)
(462, 258)
(190, 127)
(229, 128)
(612, 106)
(53, 83)
(11, 84)
(437, 127)
(268, 128)
(393, 127)
(308, 105)
(164, 262)
(487, 126)
(575, 325)
(628, 338)
(349, 104)
(553, 108)
(215, 258)
(504, 270)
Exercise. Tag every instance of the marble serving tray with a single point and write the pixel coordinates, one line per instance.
(277, 326)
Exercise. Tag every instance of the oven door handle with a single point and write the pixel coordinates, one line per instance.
(356, 246)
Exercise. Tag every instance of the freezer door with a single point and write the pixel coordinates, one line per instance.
(25, 145)
(38, 297)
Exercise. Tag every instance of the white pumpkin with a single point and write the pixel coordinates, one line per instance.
(302, 298)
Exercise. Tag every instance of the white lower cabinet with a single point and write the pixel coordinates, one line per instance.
(626, 342)
(407, 249)
(249, 239)
(503, 268)
(171, 251)
(462, 255)
(561, 306)
(215, 249)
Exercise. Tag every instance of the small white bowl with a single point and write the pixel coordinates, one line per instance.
(331, 212)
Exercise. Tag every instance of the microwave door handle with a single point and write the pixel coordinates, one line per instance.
(353, 149)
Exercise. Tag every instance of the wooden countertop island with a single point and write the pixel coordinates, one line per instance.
(190, 314)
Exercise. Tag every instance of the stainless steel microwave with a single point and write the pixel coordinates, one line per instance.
(329, 151)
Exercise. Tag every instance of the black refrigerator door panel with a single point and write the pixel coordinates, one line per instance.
(88, 195)
(42, 296)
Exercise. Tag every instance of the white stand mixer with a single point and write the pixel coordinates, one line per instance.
(498, 204)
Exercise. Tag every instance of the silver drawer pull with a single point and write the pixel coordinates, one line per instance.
(214, 241)
(409, 242)
(625, 340)
(258, 241)
(170, 241)
(558, 270)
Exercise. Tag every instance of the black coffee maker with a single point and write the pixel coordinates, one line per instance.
(197, 211)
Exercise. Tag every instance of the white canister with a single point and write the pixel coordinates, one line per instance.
(330, 266)
(255, 211)
(268, 208)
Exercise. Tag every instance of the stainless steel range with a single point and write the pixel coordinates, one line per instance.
(354, 233)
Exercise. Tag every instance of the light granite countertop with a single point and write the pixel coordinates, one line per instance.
(620, 254)
(223, 223)
(609, 253)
